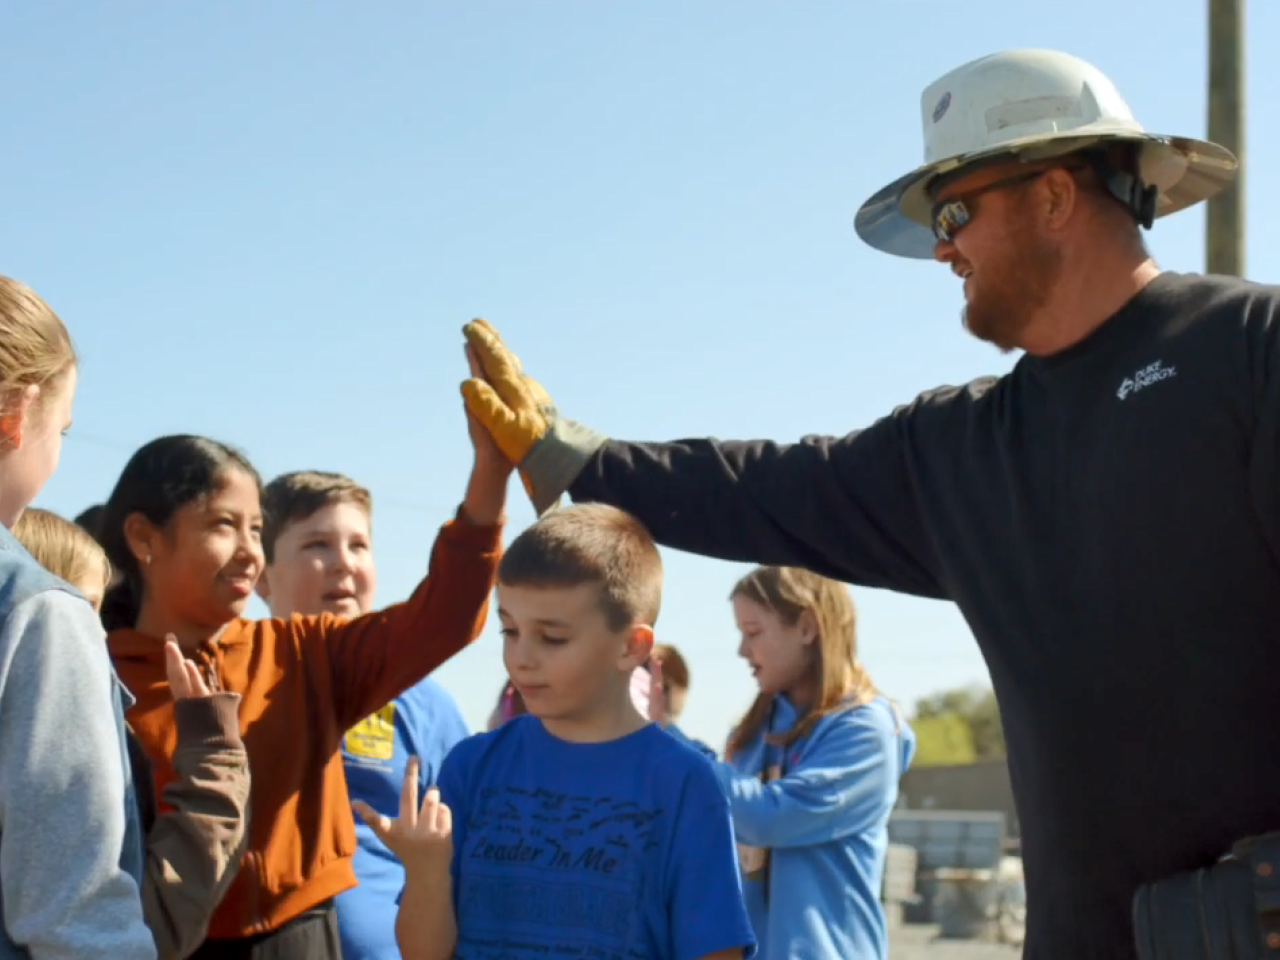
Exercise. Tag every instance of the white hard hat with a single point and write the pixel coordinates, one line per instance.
(1032, 104)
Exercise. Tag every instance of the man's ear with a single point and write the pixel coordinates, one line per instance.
(639, 647)
(1061, 196)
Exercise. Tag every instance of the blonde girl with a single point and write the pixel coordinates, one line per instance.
(70, 840)
(812, 771)
(66, 550)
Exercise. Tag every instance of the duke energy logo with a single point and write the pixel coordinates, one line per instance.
(1152, 373)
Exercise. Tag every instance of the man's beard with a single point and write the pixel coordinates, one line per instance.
(1007, 296)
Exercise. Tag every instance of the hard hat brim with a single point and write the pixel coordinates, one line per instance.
(1186, 171)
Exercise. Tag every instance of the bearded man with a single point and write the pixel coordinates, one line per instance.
(1106, 516)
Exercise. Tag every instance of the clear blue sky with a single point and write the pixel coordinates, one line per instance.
(267, 221)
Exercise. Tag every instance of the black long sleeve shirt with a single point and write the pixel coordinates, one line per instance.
(1108, 522)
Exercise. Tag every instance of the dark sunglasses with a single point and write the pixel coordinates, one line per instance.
(948, 216)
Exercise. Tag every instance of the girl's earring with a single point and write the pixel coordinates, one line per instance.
(148, 559)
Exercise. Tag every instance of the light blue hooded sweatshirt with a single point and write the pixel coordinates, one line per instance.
(71, 847)
(824, 822)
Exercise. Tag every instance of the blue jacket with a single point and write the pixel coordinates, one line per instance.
(824, 822)
(71, 846)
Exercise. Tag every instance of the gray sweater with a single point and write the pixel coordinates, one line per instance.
(64, 797)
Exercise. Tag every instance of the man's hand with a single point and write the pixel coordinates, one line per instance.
(422, 837)
(512, 407)
(549, 450)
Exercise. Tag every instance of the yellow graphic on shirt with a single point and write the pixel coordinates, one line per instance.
(374, 737)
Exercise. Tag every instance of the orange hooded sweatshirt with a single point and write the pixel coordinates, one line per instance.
(303, 683)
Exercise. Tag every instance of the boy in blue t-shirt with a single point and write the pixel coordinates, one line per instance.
(318, 540)
(580, 829)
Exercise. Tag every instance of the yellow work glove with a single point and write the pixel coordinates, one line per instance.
(548, 449)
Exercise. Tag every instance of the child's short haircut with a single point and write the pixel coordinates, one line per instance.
(674, 669)
(65, 549)
(295, 496)
(591, 543)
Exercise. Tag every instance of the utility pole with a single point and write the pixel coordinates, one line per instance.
(1224, 217)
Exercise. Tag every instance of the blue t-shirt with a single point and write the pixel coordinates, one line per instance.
(423, 721)
(617, 851)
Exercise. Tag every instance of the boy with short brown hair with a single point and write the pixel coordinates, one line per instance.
(312, 517)
(581, 826)
(318, 542)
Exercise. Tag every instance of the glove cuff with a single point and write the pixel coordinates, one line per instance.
(556, 459)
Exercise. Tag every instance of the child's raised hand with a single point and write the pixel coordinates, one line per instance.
(185, 681)
(486, 448)
(422, 837)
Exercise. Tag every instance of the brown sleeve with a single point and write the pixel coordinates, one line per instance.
(376, 657)
(194, 852)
